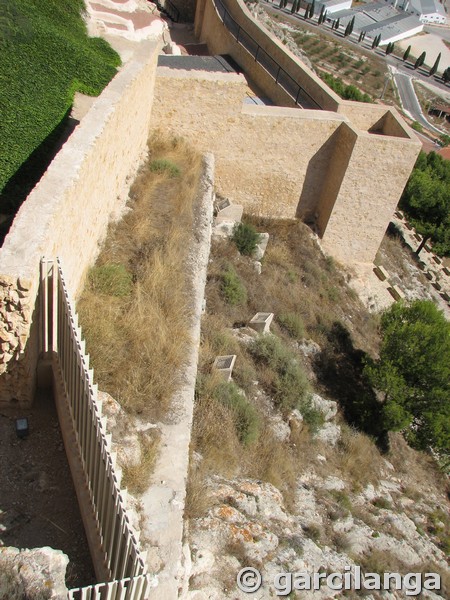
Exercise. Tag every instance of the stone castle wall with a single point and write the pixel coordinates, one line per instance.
(285, 162)
(343, 176)
(262, 153)
(68, 212)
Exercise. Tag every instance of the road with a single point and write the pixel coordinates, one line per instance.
(403, 73)
(409, 100)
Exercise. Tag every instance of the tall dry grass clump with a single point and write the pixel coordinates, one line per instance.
(135, 309)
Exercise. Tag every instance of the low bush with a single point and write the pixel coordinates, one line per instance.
(382, 503)
(244, 414)
(232, 288)
(348, 92)
(111, 280)
(292, 323)
(162, 165)
(289, 384)
(246, 238)
(312, 416)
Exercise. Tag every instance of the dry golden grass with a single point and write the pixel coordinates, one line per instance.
(136, 340)
(356, 458)
(296, 279)
(136, 477)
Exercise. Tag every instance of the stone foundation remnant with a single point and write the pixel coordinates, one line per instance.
(224, 365)
(261, 322)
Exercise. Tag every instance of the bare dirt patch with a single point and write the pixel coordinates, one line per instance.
(38, 503)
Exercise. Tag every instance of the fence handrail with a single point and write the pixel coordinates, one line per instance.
(120, 550)
(262, 57)
(168, 7)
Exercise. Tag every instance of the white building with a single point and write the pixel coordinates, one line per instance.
(332, 6)
(428, 11)
(383, 19)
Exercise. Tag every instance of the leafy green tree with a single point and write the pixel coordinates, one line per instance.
(413, 372)
(351, 25)
(419, 62)
(434, 68)
(407, 51)
(446, 75)
(444, 140)
(338, 22)
(322, 13)
(312, 9)
(426, 200)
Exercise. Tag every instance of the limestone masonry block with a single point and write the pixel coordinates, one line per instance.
(396, 292)
(381, 273)
(261, 322)
(232, 213)
(261, 246)
(224, 365)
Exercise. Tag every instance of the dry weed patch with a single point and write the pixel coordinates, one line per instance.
(308, 294)
(135, 307)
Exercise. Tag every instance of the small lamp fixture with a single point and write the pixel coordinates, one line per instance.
(22, 428)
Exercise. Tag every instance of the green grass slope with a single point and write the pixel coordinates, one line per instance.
(45, 56)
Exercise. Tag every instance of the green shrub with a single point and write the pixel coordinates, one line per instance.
(417, 126)
(312, 416)
(246, 238)
(111, 280)
(342, 499)
(161, 166)
(348, 92)
(293, 324)
(233, 290)
(289, 384)
(245, 416)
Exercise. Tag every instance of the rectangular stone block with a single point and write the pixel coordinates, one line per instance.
(261, 322)
(224, 365)
(396, 292)
(381, 273)
(232, 213)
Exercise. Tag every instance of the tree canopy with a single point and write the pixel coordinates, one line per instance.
(413, 372)
(426, 200)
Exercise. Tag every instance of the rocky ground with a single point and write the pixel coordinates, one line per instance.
(389, 518)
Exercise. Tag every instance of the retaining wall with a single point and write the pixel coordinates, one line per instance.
(68, 212)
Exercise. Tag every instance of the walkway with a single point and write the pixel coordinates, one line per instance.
(38, 503)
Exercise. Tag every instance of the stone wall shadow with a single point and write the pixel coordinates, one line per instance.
(314, 181)
(30, 172)
(339, 369)
(324, 175)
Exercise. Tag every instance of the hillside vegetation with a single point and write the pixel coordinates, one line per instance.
(46, 57)
(292, 467)
(426, 201)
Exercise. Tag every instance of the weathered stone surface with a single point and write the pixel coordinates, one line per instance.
(39, 572)
(327, 407)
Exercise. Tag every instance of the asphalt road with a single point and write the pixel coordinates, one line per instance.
(409, 100)
(402, 73)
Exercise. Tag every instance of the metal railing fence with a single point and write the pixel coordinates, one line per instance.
(124, 561)
(282, 78)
